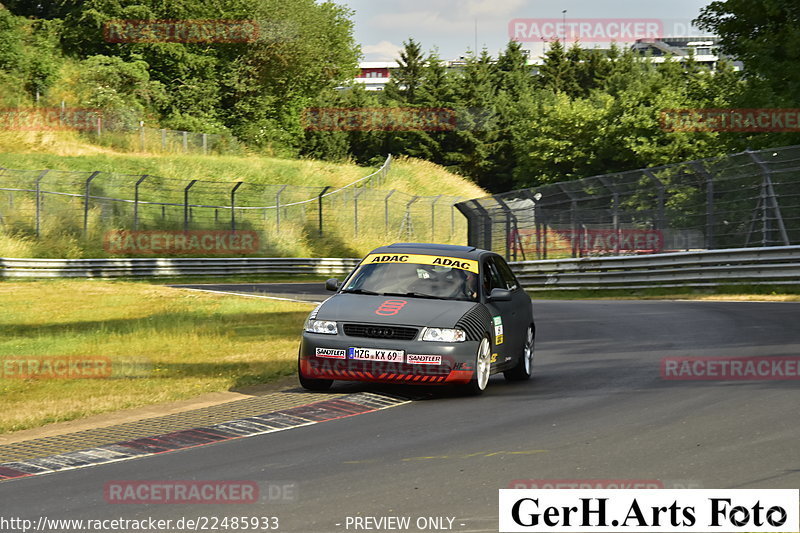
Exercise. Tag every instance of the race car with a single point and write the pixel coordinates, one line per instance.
(427, 314)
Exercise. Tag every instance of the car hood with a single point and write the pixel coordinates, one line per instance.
(363, 308)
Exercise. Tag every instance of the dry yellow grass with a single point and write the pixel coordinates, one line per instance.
(163, 344)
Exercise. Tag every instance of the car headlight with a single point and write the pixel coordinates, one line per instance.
(328, 327)
(444, 335)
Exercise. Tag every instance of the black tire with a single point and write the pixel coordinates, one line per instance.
(480, 378)
(317, 385)
(524, 367)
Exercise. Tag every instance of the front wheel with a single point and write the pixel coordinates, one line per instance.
(318, 385)
(483, 365)
(524, 368)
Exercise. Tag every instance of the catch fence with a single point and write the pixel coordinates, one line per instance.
(748, 199)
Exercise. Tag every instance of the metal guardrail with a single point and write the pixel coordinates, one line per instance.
(777, 265)
(171, 267)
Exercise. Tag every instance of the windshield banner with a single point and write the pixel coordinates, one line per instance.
(435, 260)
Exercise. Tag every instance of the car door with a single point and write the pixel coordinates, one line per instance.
(504, 346)
(522, 316)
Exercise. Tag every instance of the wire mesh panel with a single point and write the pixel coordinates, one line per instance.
(133, 214)
(742, 200)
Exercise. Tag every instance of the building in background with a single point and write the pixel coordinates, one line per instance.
(374, 75)
(704, 49)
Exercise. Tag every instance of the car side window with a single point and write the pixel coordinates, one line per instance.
(491, 277)
(506, 273)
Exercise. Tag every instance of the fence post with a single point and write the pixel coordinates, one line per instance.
(710, 222)
(278, 209)
(660, 222)
(319, 202)
(768, 193)
(99, 126)
(614, 210)
(452, 221)
(575, 237)
(163, 139)
(86, 203)
(185, 141)
(408, 221)
(186, 204)
(141, 135)
(433, 216)
(136, 201)
(356, 194)
(386, 209)
(205, 144)
(233, 204)
(39, 201)
(511, 236)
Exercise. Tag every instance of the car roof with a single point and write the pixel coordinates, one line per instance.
(450, 250)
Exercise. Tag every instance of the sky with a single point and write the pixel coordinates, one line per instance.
(381, 26)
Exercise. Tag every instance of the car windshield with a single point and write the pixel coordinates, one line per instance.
(415, 280)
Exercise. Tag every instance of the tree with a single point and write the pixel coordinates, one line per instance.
(764, 35)
(558, 71)
(408, 75)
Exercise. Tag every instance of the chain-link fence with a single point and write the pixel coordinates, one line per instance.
(117, 130)
(746, 199)
(141, 138)
(91, 206)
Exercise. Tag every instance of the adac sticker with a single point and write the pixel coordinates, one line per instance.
(412, 259)
(494, 358)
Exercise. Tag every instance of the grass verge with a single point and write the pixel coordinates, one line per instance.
(163, 345)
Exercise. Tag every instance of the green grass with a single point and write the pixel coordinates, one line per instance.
(164, 345)
(67, 151)
(61, 228)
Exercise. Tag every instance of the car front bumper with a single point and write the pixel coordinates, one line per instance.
(327, 357)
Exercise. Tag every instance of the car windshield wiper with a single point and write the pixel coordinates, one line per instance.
(416, 295)
(361, 291)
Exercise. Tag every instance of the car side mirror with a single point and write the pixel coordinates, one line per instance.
(332, 284)
(500, 295)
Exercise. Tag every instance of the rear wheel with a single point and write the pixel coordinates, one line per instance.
(483, 367)
(318, 385)
(524, 368)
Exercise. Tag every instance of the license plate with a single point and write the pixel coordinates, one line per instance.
(375, 354)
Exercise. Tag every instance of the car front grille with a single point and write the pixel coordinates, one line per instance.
(380, 331)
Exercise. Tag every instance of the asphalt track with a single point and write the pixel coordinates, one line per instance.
(597, 408)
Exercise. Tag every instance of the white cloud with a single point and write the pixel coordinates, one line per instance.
(382, 51)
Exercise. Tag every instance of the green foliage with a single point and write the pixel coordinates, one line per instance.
(580, 112)
(121, 89)
(28, 57)
(764, 34)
